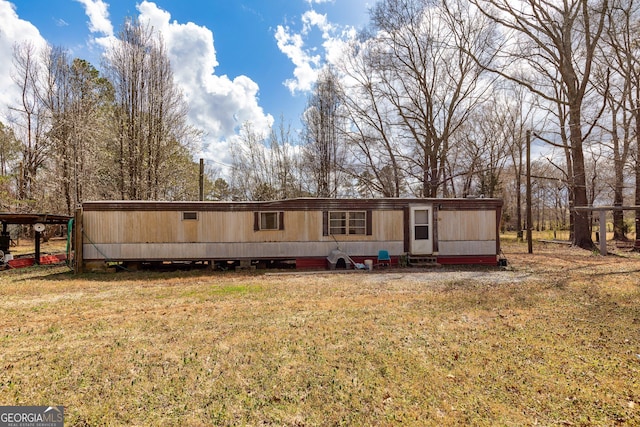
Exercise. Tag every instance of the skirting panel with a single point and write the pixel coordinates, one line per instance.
(467, 248)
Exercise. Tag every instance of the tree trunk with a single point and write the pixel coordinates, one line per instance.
(636, 245)
(581, 228)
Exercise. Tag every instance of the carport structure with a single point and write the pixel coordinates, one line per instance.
(33, 219)
(602, 211)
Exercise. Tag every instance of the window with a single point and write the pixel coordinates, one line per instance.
(269, 221)
(189, 215)
(348, 223)
(421, 227)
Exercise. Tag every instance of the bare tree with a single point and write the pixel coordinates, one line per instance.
(31, 124)
(558, 41)
(285, 162)
(622, 93)
(517, 119)
(150, 113)
(422, 62)
(251, 175)
(368, 130)
(9, 156)
(264, 167)
(9, 150)
(76, 99)
(485, 142)
(324, 153)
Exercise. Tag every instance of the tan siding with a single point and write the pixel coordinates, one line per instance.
(466, 225)
(388, 225)
(101, 228)
(131, 227)
(189, 229)
(224, 226)
(303, 226)
(168, 227)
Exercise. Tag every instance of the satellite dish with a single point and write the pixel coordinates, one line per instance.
(39, 227)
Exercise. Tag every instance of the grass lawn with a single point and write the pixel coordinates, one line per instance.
(552, 340)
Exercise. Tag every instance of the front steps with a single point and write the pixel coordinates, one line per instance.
(423, 261)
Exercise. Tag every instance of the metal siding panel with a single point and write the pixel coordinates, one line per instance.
(466, 225)
(206, 251)
(386, 225)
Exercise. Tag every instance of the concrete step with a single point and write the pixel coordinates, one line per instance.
(423, 261)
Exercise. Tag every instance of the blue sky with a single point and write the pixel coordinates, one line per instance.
(236, 60)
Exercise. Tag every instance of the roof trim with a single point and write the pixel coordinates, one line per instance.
(300, 204)
(33, 218)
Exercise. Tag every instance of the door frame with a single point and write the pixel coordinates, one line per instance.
(421, 246)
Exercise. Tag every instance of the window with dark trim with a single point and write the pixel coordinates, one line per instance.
(189, 215)
(268, 221)
(338, 222)
(348, 222)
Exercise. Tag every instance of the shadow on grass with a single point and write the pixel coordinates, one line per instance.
(64, 273)
(61, 272)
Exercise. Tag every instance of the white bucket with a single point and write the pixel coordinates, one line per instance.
(369, 264)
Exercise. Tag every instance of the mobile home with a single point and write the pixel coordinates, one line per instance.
(305, 232)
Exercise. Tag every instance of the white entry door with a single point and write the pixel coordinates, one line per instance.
(421, 230)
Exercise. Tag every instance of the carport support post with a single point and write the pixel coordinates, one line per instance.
(603, 232)
(37, 255)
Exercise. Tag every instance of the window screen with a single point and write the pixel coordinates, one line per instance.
(268, 220)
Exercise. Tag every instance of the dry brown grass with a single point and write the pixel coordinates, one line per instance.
(554, 340)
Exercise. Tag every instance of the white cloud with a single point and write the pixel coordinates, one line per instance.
(307, 63)
(218, 104)
(335, 47)
(13, 30)
(98, 13)
(99, 23)
(311, 19)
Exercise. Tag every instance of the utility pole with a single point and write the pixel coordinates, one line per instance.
(529, 215)
(201, 180)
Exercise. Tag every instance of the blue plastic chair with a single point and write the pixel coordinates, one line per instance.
(383, 258)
